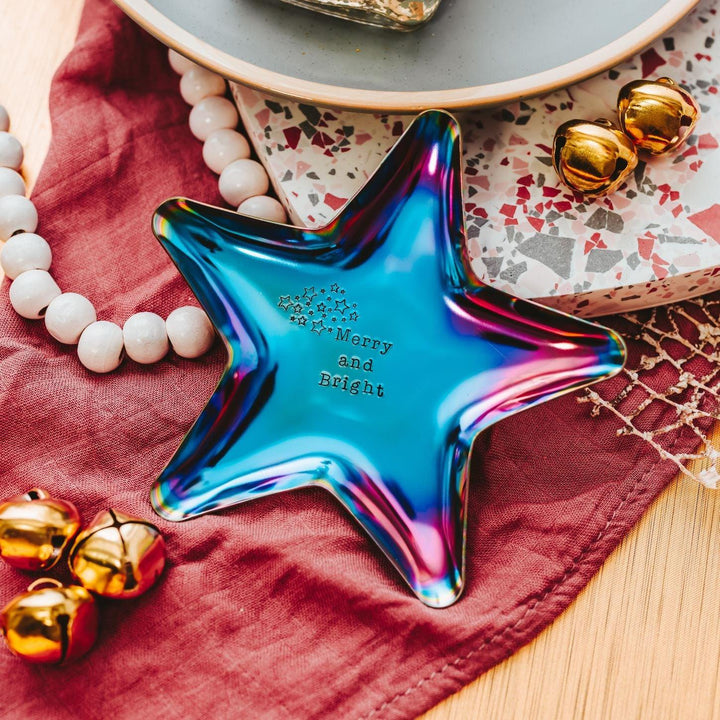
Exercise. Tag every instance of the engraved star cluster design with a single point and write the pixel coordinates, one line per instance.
(320, 310)
(381, 409)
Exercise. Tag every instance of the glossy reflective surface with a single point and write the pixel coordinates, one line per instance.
(658, 115)
(593, 158)
(118, 556)
(395, 14)
(365, 358)
(35, 529)
(51, 624)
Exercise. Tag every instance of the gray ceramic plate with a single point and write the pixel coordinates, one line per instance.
(473, 53)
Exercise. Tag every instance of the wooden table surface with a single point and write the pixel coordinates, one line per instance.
(641, 641)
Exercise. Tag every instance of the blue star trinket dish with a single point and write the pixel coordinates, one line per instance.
(364, 357)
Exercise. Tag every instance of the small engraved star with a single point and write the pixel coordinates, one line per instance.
(303, 309)
(318, 326)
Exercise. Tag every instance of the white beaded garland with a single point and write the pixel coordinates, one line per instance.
(243, 179)
(223, 147)
(71, 318)
(211, 114)
(198, 83)
(17, 214)
(11, 151)
(67, 316)
(100, 348)
(11, 182)
(243, 182)
(25, 251)
(31, 292)
(190, 331)
(145, 337)
(265, 207)
(179, 63)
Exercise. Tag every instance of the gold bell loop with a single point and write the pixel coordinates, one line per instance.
(44, 582)
(36, 494)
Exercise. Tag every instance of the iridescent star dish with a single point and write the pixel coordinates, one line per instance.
(365, 357)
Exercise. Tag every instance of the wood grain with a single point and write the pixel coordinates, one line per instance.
(35, 35)
(640, 642)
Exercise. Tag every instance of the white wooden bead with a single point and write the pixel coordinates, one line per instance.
(198, 83)
(4, 119)
(243, 179)
(25, 251)
(211, 114)
(265, 207)
(190, 331)
(11, 151)
(11, 182)
(100, 348)
(223, 147)
(146, 339)
(67, 316)
(31, 292)
(17, 214)
(179, 63)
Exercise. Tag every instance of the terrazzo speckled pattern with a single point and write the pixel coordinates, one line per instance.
(656, 240)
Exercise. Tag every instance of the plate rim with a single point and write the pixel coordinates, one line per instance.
(336, 96)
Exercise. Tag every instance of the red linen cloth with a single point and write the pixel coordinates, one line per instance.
(281, 608)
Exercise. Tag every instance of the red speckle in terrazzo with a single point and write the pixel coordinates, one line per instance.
(708, 221)
(292, 136)
(707, 142)
(536, 223)
(651, 61)
(334, 202)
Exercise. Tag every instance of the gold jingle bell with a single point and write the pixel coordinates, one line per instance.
(35, 529)
(658, 115)
(50, 624)
(593, 158)
(118, 556)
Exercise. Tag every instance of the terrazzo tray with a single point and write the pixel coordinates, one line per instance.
(655, 241)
